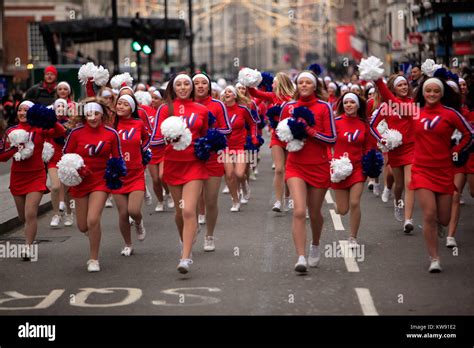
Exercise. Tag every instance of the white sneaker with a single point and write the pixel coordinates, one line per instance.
(408, 226)
(255, 171)
(160, 206)
(126, 251)
(461, 200)
(243, 199)
(55, 221)
(386, 194)
(235, 207)
(451, 242)
(307, 214)
(108, 203)
(148, 198)
(170, 202)
(370, 184)
(68, 220)
(62, 207)
(377, 190)
(131, 221)
(209, 244)
(301, 266)
(141, 232)
(398, 210)
(183, 266)
(277, 207)
(202, 219)
(353, 243)
(93, 266)
(226, 189)
(314, 255)
(273, 166)
(435, 266)
(252, 176)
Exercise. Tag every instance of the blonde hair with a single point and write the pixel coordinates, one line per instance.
(106, 118)
(284, 87)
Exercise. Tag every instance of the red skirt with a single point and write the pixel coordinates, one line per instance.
(180, 172)
(401, 156)
(356, 176)
(22, 183)
(436, 179)
(133, 181)
(316, 175)
(91, 183)
(214, 166)
(276, 142)
(158, 154)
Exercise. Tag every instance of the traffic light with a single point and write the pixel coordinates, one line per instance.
(148, 42)
(142, 36)
(137, 34)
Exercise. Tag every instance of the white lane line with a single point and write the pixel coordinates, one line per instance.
(328, 197)
(366, 302)
(336, 220)
(349, 256)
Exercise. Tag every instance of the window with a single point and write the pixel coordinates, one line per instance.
(37, 49)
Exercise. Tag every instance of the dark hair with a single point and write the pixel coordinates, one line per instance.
(134, 112)
(361, 112)
(208, 81)
(450, 98)
(170, 94)
(416, 66)
(320, 93)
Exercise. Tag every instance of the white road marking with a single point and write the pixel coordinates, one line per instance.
(349, 256)
(366, 302)
(336, 220)
(328, 197)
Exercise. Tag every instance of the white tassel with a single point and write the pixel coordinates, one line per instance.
(101, 76)
(68, 168)
(392, 139)
(86, 71)
(48, 152)
(283, 131)
(429, 67)
(340, 168)
(143, 98)
(250, 77)
(117, 80)
(370, 69)
(294, 145)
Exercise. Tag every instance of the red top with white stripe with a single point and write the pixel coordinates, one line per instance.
(353, 137)
(239, 115)
(134, 139)
(218, 110)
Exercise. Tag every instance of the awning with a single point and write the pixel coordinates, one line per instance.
(461, 21)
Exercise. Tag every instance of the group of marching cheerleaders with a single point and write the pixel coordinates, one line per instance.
(324, 134)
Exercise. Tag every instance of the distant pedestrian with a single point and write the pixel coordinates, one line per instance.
(44, 92)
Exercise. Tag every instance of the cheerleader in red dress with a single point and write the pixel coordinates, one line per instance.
(400, 113)
(283, 92)
(28, 176)
(183, 171)
(215, 168)
(353, 141)
(134, 139)
(307, 170)
(96, 143)
(236, 158)
(433, 170)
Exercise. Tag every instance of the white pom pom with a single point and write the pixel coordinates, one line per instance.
(429, 67)
(173, 127)
(392, 139)
(101, 76)
(143, 98)
(457, 135)
(68, 168)
(340, 168)
(117, 81)
(249, 77)
(24, 151)
(283, 131)
(370, 69)
(18, 136)
(86, 71)
(184, 141)
(294, 145)
(48, 152)
(382, 147)
(382, 127)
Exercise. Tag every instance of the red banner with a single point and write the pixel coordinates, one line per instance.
(343, 38)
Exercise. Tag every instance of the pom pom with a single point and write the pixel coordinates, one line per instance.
(316, 68)
(456, 137)
(441, 73)
(202, 149)
(250, 146)
(114, 171)
(176, 132)
(294, 145)
(143, 98)
(146, 156)
(48, 152)
(283, 131)
(101, 76)
(69, 169)
(117, 81)
(40, 116)
(267, 81)
(250, 77)
(370, 69)
(297, 129)
(184, 141)
(392, 139)
(382, 127)
(24, 151)
(18, 137)
(452, 76)
(260, 139)
(429, 67)
(86, 71)
(304, 113)
(340, 168)
(211, 119)
(216, 140)
(372, 164)
(273, 115)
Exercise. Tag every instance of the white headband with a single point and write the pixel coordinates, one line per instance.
(454, 85)
(181, 77)
(332, 85)
(27, 103)
(462, 80)
(351, 96)
(436, 81)
(158, 94)
(65, 84)
(238, 85)
(129, 100)
(372, 90)
(232, 89)
(369, 85)
(344, 88)
(60, 101)
(125, 87)
(106, 93)
(398, 80)
(309, 76)
(202, 76)
(355, 87)
(94, 107)
(327, 78)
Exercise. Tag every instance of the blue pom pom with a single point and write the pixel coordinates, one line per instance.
(372, 164)
(116, 169)
(146, 156)
(249, 146)
(273, 115)
(304, 113)
(211, 120)
(442, 73)
(202, 149)
(261, 141)
(452, 76)
(316, 68)
(267, 81)
(40, 116)
(216, 140)
(297, 129)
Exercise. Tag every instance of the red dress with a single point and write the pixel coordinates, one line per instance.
(433, 168)
(30, 175)
(239, 116)
(311, 163)
(134, 139)
(353, 138)
(95, 146)
(181, 167)
(400, 116)
(219, 111)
